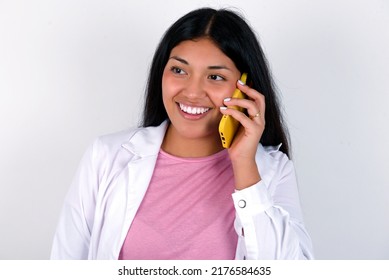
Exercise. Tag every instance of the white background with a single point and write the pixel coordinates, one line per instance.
(72, 70)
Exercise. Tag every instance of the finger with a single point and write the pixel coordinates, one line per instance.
(250, 92)
(239, 116)
(239, 102)
(255, 96)
(253, 108)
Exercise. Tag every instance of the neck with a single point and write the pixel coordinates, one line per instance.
(180, 146)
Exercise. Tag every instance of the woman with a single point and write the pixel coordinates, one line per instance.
(169, 190)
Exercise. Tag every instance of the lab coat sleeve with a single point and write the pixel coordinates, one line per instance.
(72, 237)
(269, 222)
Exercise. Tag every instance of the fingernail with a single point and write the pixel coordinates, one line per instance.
(240, 82)
(227, 99)
(223, 108)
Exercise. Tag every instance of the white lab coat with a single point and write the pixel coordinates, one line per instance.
(113, 178)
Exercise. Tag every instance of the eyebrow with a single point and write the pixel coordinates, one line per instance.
(212, 67)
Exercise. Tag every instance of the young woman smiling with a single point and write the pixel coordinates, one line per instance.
(168, 189)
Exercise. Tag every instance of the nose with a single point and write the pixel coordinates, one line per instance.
(194, 88)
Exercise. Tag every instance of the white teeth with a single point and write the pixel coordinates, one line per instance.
(193, 110)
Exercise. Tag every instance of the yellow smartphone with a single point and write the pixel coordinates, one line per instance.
(228, 125)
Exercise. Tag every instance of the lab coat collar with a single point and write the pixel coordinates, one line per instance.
(147, 141)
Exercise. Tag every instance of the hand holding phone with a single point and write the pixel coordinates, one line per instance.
(228, 126)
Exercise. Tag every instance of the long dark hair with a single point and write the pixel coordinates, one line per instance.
(236, 39)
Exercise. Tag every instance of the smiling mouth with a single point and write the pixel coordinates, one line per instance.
(193, 110)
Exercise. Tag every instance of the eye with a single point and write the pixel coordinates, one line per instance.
(177, 70)
(216, 78)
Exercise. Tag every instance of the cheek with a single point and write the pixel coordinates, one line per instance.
(221, 94)
(170, 87)
(166, 88)
(165, 81)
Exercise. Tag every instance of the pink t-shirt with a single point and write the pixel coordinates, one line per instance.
(187, 212)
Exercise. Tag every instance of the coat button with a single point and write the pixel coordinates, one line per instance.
(242, 203)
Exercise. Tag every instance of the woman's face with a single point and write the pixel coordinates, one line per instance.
(196, 79)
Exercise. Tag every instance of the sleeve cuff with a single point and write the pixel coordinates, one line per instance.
(252, 200)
